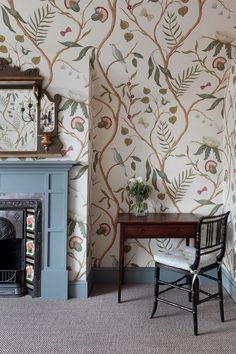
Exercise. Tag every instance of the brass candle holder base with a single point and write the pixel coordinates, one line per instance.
(46, 140)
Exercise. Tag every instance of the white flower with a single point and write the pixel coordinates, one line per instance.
(132, 180)
(139, 179)
(225, 37)
(78, 96)
(210, 141)
(136, 180)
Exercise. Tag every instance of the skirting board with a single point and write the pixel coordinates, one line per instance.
(78, 289)
(139, 275)
(81, 289)
(229, 284)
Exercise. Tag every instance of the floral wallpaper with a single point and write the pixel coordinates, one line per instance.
(229, 182)
(160, 101)
(143, 85)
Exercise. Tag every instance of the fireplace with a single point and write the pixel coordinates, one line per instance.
(20, 246)
(49, 179)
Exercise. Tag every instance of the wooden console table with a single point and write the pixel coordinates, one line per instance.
(153, 225)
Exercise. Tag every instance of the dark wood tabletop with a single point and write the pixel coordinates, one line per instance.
(155, 218)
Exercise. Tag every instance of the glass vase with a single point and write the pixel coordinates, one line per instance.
(138, 209)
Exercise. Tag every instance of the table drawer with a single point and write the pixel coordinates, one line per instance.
(158, 231)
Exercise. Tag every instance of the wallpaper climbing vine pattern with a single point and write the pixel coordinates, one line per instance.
(230, 170)
(155, 73)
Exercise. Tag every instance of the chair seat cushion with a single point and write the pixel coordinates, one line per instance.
(183, 258)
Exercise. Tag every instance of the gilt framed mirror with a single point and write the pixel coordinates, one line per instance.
(28, 114)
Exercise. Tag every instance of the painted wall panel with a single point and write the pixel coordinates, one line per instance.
(56, 250)
(56, 182)
(58, 214)
(26, 182)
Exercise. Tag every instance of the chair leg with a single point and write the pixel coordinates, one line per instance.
(195, 296)
(189, 285)
(221, 303)
(156, 289)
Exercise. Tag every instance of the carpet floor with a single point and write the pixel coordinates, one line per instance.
(99, 325)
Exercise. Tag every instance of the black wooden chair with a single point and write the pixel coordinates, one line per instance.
(193, 262)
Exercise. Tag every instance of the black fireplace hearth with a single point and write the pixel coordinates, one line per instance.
(20, 247)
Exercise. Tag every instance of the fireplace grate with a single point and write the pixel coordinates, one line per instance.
(11, 276)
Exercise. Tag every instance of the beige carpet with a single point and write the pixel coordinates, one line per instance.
(99, 325)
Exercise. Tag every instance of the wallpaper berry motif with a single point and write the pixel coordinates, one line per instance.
(155, 73)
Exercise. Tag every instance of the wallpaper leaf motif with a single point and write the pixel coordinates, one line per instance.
(106, 198)
(67, 104)
(84, 109)
(70, 44)
(6, 20)
(157, 76)
(206, 149)
(151, 67)
(211, 45)
(184, 81)
(148, 170)
(228, 48)
(80, 172)
(217, 46)
(216, 208)
(95, 161)
(39, 26)
(181, 184)
(165, 136)
(166, 71)
(155, 179)
(83, 53)
(14, 13)
(172, 29)
(215, 103)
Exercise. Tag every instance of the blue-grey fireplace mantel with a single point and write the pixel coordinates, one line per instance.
(49, 178)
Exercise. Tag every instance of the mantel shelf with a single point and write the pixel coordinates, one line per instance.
(36, 165)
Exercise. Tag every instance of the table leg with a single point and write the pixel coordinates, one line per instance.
(121, 264)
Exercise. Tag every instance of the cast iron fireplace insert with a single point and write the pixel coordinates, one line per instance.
(20, 247)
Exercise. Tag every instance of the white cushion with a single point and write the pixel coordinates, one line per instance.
(183, 258)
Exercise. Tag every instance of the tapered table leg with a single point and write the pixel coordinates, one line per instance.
(121, 263)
